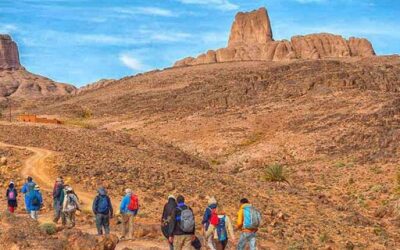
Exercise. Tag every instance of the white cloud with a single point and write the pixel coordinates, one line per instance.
(8, 28)
(153, 11)
(164, 36)
(132, 62)
(219, 4)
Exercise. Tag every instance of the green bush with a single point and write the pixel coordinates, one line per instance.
(48, 228)
(275, 173)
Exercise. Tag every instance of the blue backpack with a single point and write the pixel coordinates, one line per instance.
(35, 199)
(103, 206)
(252, 217)
(221, 230)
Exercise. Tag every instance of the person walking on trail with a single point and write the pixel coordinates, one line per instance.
(35, 202)
(103, 211)
(208, 213)
(70, 206)
(58, 200)
(11, 195)
(166, 218)
(27, 190)
(221, 229)
(129, 208)
(249, 220)
(182, 227)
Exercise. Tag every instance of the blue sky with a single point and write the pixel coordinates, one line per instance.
(81, 41)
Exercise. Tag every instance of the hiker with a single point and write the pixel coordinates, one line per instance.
(210, 210)
(129, 208)
(58, 200)
(182, 227)
(249, 219)
(103, 211)
(35, 202)
(11, 195)
(70, 205)
(166, 218)
(221, 230)
(27, 189)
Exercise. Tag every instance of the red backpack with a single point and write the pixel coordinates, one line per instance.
(214, 220)
(133, 203)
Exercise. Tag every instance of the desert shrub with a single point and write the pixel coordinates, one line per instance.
(323, 238)
(79, 123)
(84, 113)
(340, 164)
(275, 173)
(48, 228)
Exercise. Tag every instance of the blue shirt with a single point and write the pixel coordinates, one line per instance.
(123, 208)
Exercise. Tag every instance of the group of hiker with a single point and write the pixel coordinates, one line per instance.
(177, 221)
(178, 225)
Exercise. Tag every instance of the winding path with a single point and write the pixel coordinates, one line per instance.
(38, 167)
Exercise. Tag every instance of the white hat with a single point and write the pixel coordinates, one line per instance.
(128, 191)
(212, 200)
(37, 187)
(171, 196)
(69, 189)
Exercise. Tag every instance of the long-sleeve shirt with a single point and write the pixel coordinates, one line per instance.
(95, 206)
(207, 215)
(228, 225)
(123, 208)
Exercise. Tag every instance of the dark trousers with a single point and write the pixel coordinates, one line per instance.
(103, 221)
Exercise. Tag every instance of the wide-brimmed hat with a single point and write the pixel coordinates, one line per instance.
(37, 187)
(69, 189)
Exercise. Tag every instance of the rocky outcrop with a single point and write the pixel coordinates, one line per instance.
(251, 39)
(17, 82)
(9, 57)
(251, 28)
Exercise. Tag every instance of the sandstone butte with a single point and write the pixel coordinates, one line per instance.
(16, 82)
(9, 57)
(251, 38)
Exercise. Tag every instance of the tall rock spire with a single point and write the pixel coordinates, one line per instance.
(9, 57)
(251, 28)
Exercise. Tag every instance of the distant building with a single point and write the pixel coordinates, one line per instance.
(36, 119)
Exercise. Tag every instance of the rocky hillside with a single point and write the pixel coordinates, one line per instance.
(333, 124)
(251, 39)
(16, 82)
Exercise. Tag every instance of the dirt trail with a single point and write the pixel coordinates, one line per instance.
(38, 167)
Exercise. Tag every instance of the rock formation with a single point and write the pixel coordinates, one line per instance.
(251, 28)
(251, 39)
(9, 57)
(15, 81)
